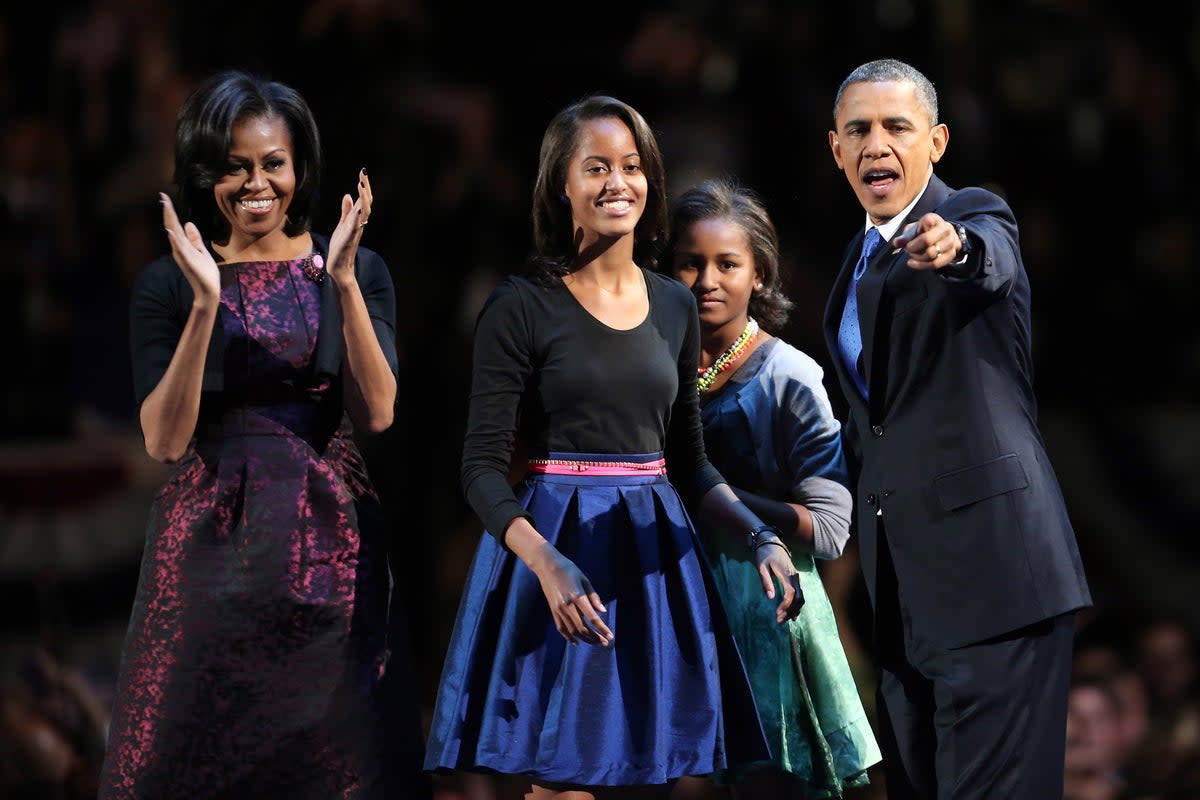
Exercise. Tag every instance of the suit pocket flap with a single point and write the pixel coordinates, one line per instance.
(972, 484)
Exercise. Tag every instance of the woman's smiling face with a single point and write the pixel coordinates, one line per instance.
(260, 179)
(605, 186)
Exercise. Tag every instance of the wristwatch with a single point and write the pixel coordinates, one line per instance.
(757, 536)
(958, 268)
(966, 243)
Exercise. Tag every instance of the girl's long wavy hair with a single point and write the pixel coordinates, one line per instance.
(553, 234)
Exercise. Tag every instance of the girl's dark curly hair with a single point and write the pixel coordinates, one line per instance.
(724, 199)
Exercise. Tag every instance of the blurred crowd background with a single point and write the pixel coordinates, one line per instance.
(1082, 114)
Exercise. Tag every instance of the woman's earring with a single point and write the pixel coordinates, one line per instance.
(562, 198)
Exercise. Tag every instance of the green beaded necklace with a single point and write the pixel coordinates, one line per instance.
(708, 375)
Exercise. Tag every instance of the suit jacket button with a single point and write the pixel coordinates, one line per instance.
(877, 430)
(871, 500)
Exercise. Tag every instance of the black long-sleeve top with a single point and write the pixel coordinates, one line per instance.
(545, 367)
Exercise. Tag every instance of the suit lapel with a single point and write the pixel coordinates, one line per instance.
(870, 292)
(833, 317)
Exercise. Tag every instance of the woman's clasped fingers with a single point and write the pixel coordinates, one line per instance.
(575, 622)
(563, 625)
(574, 604)
(590, 608)
(581, 616)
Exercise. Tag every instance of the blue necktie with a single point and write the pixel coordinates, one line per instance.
(850, 332)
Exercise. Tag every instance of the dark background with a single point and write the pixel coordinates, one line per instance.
(1082, 114)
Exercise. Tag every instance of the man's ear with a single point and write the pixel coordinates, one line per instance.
(940, 136)
(836, 147)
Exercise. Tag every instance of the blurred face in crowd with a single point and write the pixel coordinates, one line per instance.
(713, 258)
(606, 187)
(1093, 734)
(1096, 659)
(1167, 661)
(886, 145)
(1134, 717)
(260, 178)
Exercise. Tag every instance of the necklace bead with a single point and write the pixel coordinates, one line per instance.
(708, 376)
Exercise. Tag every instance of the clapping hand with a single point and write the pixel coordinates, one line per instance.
(189, 252)
(343, 245)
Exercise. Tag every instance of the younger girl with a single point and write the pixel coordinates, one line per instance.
(769, 429)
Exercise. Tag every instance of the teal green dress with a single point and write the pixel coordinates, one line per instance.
(770, 430)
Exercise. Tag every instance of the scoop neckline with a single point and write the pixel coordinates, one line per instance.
(313, 250)
(227, 264)
(604, 325)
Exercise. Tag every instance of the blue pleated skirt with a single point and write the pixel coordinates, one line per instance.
(668, 697)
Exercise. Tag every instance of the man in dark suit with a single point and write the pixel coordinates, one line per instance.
(967, 549)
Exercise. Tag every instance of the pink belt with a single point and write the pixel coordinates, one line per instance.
(558, 466)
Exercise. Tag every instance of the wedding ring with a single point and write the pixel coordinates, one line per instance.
(937, 248)
(363, 224)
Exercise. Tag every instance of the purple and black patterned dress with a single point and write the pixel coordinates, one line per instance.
(256, 655)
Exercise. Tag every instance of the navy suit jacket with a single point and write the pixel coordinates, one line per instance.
(947, 450)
